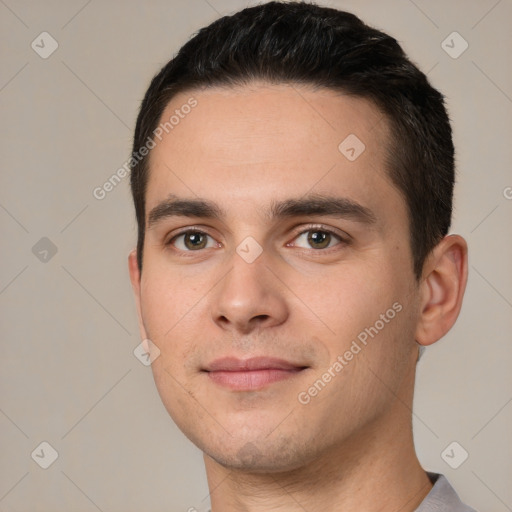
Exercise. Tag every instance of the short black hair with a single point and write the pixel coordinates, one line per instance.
(303, 43)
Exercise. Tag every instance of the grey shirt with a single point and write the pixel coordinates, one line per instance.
(442, 497)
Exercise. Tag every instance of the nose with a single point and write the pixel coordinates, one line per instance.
(249, 297)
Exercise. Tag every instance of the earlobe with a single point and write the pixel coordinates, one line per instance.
(442, 289)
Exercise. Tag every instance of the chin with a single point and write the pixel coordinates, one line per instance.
(261, 456)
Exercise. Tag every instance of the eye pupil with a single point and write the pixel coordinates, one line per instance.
(194, 240)
(319, 239)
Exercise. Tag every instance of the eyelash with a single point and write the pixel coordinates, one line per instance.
(342, 240)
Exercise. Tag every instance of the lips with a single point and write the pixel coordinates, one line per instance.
(251, 374)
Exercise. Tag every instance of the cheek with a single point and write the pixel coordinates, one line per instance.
(158, 306)
(173, 312)
(169, 317)
(167, 299)
(348, 300)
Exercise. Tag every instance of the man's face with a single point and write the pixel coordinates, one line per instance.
(281, 274)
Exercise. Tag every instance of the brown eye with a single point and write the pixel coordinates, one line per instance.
(195, 241)
(317, 239)
(192, 241)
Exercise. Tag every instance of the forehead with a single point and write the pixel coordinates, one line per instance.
(253, 142)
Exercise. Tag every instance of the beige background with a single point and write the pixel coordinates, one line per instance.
(68, 373)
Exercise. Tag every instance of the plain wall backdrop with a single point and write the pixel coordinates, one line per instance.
(69, 376)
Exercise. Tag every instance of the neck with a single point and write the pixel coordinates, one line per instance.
(374, 469)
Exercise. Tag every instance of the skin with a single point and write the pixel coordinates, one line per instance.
(351, 447)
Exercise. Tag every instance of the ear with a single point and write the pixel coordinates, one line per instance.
(442, 288)
(135, 279)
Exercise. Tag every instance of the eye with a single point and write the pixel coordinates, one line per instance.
(192, 240)
(318, 238)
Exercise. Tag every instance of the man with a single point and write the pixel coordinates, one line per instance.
(292, 178)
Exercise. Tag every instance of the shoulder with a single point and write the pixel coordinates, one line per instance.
(442, 497)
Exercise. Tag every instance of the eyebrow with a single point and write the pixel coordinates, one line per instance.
(309, 205)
